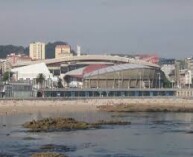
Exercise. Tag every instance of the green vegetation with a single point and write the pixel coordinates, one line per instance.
(60, 83)
(7, 49)
(7, 76)
(50, 49)
(167, 83)
(40, 79)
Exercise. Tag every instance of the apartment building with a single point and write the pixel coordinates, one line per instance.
(37, 51)
(185, 78)
(62, 51)
(17, 58)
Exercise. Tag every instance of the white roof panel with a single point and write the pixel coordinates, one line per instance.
(76, 71)
(32, 71)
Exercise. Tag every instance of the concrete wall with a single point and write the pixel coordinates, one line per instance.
(185, 93)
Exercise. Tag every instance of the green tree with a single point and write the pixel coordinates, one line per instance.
(167, 83)
(60, 83)
(7, 76)
(40, 79)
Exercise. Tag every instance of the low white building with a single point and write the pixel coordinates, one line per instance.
(31, 72)
(185, 78)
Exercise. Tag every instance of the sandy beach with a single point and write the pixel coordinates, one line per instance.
(8, 107)
(32, 106)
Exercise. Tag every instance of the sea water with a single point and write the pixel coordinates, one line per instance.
(149, 135)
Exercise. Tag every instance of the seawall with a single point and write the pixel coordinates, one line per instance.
(30, 106)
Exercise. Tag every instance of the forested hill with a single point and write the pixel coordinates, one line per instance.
(7, 49)
(50, 49)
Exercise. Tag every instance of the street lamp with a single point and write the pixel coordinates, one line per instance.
(189, 78)
(140, 80)
(172, 83)
(149, 83)
(159, 79)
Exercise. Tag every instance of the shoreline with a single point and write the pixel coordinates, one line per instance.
(8, 107)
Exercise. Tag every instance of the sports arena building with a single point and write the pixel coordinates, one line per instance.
(116, 76)
(101, 71)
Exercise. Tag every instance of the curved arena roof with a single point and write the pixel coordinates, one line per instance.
(101, 58)
(116, 68)
(87, 69)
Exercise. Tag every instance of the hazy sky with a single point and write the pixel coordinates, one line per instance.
(163, 27)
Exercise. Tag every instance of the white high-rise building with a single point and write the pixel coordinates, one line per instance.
(37, 50)
(78, 50)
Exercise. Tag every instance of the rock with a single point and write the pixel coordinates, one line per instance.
(62, 124)
(48, 154)
(56, 124)
(6, 155)
(29, 138)
(123, 108)
(112, 122)
(57, 148)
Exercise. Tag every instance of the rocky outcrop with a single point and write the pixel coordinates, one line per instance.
(62, 124)
(48, 154)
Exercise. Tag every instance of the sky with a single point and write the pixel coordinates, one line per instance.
(160, 27)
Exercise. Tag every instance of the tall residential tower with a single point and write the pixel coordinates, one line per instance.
(37, 50)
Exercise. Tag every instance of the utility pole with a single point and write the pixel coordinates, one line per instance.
(177, 74)
(149, 84)
(97, 78)
(159, 81)
(9, 76)
(140, 80)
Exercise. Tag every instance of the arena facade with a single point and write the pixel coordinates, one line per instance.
(124, 76)
(116, 76)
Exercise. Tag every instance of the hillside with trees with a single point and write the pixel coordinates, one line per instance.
(50, 49)
(7, 49)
